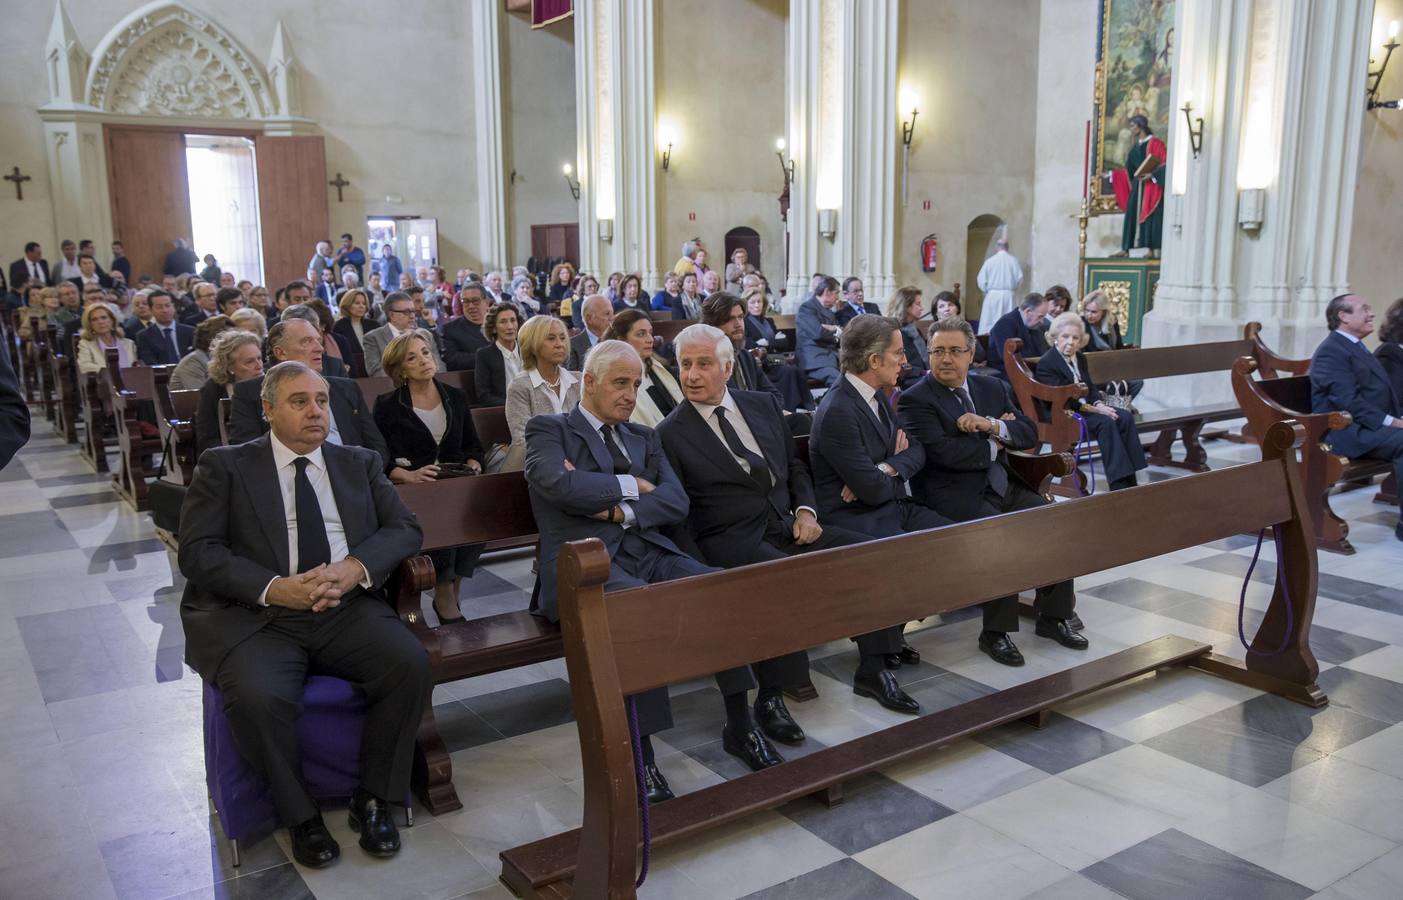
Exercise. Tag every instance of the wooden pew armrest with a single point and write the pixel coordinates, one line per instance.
(1037, 469)
(412, 577)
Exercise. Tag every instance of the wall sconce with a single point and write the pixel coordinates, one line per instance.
(1195, 131)
(573, 183)
(787, 166)
(908, 100)
(667, 136)
(606, 230)
(1251, 208)
(667, 157)
(828, 222)
(1377, 76)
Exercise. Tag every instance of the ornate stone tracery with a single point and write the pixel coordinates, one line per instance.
(166, 60)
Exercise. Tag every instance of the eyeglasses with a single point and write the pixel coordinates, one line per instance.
(952, 352)
(400, 312)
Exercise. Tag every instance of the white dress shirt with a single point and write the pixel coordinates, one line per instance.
(557, 400)
(627, 483)
(283, 459)
(512, 360)
(747, 438)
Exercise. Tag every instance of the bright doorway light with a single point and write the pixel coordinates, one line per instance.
(223, 185)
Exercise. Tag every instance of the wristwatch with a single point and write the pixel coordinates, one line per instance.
(887, 470)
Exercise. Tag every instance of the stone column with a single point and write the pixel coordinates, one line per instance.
(616, 158)
(1280, 86)
(485, 28)
(868, 236)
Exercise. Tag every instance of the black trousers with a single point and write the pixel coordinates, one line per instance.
(361, 641)
(1056, 600)
(1121, 452)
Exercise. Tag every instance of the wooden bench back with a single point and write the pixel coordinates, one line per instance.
(671, 328)
(1164, 362)
(490, 423)
(474, 509)
(374, 386)
(657, 635)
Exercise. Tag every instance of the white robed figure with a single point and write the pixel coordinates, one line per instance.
(999, 279)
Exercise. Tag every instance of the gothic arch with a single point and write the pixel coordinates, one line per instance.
(165, 59)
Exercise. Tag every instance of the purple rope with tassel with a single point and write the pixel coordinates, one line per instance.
(1285, 593)
(642, 791)
(1085, 441)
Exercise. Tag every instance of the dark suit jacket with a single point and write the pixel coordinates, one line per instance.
(816, 347)
(346, 332)
(846, 313)
(19, 272)
(103, 279)
(917, 353)
(757, 328)
(490, 377)
(1347, 377)
(134, 326)
(195, 315)
(1390, 356)
(579, 349)
(233, 540)
(957, 462)
(674, 304)
(755, 377)
(354, 422)
(409, 438)
(207, 415)
(728, 511)
(1011, 325)
(326, 292)
(153, 349)
(845, 446)
(123, 265)
(564, 500)
(1052, 370)
(14, 412)
(461, 341)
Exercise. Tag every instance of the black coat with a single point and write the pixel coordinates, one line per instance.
(1052, 370)
(1011, 325)
(19, 272)
(461, 341)
(958, 462)
(343, 329)
(153, 349)
(1390, 356)
(207, 416)
(409, 438)
(757, 328)
(845, 313)
(354, 422)
(14, 412)
(490, 377)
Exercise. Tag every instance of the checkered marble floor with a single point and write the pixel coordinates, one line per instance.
(1175, 785)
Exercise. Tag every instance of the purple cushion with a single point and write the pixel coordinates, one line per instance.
(328, 733)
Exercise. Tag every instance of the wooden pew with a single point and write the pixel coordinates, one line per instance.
(1266, 401)
(129, 389)
(63, 371)
(373, 387)
(667, 634)
(96, 409)
(175, 416)
(39, 354)
(19, 345)
(490, 423)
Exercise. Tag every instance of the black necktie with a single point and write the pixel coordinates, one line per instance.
(964, 399)
(882, 412)
(998, 478)
(759, 470)
(313, 548)
(170, 340)
(616, 453)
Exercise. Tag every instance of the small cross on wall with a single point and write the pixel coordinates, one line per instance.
(19, 181)
(339, 183)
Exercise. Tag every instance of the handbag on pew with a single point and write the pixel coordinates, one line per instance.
(1117, 396)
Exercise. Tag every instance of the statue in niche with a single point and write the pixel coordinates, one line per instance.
(1139, 189)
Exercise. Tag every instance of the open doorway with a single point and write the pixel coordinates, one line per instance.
(414, 240)
(222, 174)
(979, 245)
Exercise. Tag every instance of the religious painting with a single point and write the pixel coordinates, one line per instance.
(1135, 52)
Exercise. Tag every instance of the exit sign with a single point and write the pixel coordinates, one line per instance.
(925, 204)
(691, 217)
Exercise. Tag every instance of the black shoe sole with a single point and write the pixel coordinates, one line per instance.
(1012, 664)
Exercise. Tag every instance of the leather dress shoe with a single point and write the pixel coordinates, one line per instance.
(1398, 530)
(751, 748)
(1059, 631)
(653, 780)
(882, 687)
(312, 845)
(1000, 648)
(1074, 622)
(906, 656)
(371, 816)
(774, 719)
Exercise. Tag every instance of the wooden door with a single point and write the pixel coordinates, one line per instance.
(292, 204)
(150, 193)
(549, 241)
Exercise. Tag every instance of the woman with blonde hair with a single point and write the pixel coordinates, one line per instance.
(251, 321)
(544, 386)
(908, 308)
(100, 333)
(353, 318)
(41, 304)
(428, 428)
(236, 355)
(659, 393)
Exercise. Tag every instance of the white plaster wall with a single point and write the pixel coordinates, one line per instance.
(720, 80)
(388, 86)
(538, 114)
(1375, 263)
(974, 65)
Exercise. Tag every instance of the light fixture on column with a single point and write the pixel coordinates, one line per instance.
(909, 101)
(828, 222)
(1376, 77)
(787, 166)
(1195, 129)
(1251, 208)
(573, 183)
(667, 136)
(606, 230)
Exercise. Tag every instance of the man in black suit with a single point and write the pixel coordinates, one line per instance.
(818, 332)
(91, 274)
(14, 411)
(120, 263)
(967, 424)
(286, 543)
(32, 267)
(598, 314)
(861, 464)
(853, 304)
(593, 474)
(350, 423)
(326, 287)
(164, 343)
(462, 336)
(205, 306)
(181, 260)
(1019, 324)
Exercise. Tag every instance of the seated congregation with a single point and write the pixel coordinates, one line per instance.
(732, 438)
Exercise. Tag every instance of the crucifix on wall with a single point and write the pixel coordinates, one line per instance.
(19, 181)
(339, 183)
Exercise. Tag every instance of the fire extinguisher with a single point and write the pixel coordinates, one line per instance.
(930, 253)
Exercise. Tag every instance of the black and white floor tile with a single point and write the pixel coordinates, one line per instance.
(1174, 785)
